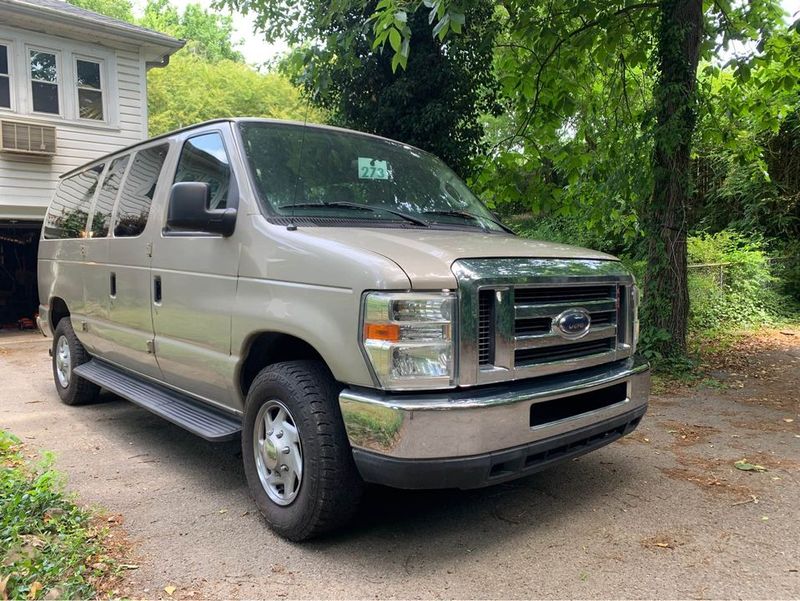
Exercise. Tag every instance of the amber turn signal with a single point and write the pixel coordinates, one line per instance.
(382, 331)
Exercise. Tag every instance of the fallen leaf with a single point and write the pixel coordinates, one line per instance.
(54, 594)
(662, 545)
(170, 589)
(34, 590)
(33, 541)
(128, 566)
(223, 511)
(3, 583)
(745, 466)
(788, 420)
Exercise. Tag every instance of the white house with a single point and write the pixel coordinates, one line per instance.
(73, 86)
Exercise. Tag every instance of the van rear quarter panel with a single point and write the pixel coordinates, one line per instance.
(61, 266)
(308, 287)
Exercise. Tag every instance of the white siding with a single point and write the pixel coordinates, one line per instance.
(27, 182)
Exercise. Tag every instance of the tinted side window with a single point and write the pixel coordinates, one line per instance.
(101, 221)
(203, 159)
(138, 190)
(69, 211)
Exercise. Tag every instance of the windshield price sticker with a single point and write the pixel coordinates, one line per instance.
(372, 168)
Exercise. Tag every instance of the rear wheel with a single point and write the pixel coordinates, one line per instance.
(68, 353)
(297, 458)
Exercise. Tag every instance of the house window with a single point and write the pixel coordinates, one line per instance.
(90, 89)
(44, 82)
(5, 78)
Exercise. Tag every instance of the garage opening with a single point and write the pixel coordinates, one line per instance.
(19, 296)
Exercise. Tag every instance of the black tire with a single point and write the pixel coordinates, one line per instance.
(330, 488)
(78, 391)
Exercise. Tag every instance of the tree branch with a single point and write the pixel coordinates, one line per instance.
(585, 27)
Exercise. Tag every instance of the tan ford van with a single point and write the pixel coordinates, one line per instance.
(343, 303)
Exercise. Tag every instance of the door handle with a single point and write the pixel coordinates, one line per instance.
(112, 285)
(156, 289)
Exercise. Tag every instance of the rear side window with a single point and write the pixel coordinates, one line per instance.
(138, 191)
(69, 211)
(203, 159)
(101, 221)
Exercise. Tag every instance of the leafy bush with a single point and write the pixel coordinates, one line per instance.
(789, 270)
(564, 229)
(734, 285)
(46, 541)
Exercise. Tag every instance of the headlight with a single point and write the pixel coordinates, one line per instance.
(408, 338)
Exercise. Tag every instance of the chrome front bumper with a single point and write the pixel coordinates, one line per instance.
(474, 437)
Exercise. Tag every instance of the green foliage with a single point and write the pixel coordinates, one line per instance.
(734, 286)
(789, 269)
(208, 35)
(565, 229)
(190, 90)
(208, 78)
(45, 539)
(748, 154)
(435, 104)
(117, 9)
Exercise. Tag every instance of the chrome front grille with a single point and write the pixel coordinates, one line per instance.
(536, 338)
(485, 327)
(510, 309)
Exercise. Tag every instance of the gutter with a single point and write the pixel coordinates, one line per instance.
(164, 62)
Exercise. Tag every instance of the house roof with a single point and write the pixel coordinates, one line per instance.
(62, 15)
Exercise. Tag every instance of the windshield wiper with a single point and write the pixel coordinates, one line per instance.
(477, 219)
(355, 205)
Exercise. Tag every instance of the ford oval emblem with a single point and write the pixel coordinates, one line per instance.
(572, 323)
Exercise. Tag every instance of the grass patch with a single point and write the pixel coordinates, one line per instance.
(49, 545)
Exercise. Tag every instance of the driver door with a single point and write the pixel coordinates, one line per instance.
(195, 275)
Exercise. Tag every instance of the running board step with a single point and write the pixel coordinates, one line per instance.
(199, 419)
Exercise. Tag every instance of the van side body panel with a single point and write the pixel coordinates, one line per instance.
(60, 264)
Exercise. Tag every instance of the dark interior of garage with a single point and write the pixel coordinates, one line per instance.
(19, 298)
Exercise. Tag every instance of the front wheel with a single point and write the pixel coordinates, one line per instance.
(297, 458)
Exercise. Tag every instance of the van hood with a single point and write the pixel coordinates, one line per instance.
(427, 255)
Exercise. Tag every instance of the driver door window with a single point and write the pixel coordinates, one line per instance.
(203, 159)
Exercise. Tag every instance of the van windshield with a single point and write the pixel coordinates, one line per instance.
(312, 172)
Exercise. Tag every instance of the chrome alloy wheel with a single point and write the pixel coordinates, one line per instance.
(63, 361)
(278, 452)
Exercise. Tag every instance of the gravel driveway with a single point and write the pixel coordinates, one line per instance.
(661, 514)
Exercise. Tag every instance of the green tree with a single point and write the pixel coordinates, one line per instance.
(117, 9)
(208, 35)
(561, 54)
(207, 79)
(435, 104)
(748, 164)
(191, 89)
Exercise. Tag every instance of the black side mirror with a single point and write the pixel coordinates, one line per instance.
(188, 210)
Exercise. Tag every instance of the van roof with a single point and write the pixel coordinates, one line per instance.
(132, 147)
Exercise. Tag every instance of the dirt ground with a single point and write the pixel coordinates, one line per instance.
(663, 513)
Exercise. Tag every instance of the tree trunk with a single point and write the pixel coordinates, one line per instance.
(666, 299)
